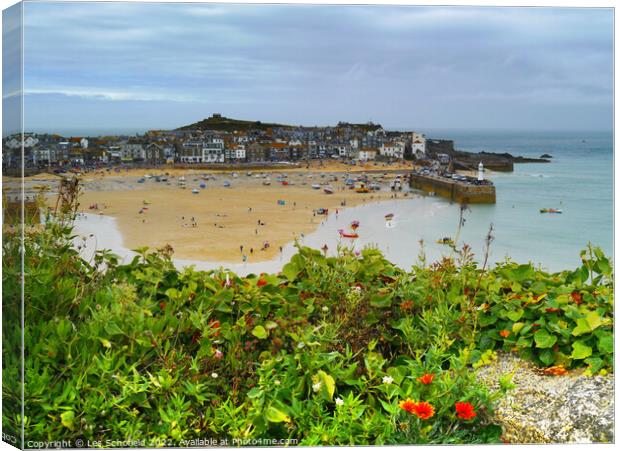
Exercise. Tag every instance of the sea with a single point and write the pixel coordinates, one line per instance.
(578, 180)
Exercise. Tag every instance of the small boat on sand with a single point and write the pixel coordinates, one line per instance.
(321, 211)
(550, 210)
(226, 184)
(328, 190)
(344, 234)
(316, 186)
(195, 191)
(389, 216)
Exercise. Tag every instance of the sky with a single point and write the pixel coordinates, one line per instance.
(117, 67)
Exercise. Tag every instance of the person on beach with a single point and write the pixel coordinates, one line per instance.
(255, 231)
(324, 249)
(241, 248)
(280, 249)
(251, 250)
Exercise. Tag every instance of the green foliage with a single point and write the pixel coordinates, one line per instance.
(322, 353)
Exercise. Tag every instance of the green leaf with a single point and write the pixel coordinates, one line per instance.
(581, 350)
(260, 332)
(593, 319)
(112, 328)
(606, 343)
(516, 328)
(487, 320)
(547, 356)
(582, 327)
(292, 268)
(274, 415)
(327, 383)
(544, 339)
(381, 301)
(66, 418)
(595, 364)
(515, 315)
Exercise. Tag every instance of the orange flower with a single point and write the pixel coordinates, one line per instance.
(465, 410)
(552, 310)
(576, 297)
(406, 305)
(504, 333)
(426, 378)
(215, 325)
(261, 282)
(423, 410)
(407, 405)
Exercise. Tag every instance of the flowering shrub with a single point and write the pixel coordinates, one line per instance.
(340, 350)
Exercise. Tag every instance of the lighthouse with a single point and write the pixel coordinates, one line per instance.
(480, 172)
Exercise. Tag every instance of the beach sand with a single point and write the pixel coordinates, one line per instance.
(222, 216)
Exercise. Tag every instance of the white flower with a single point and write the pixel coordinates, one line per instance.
(325, 309)
(316, 387)
(277, 382)
(387, 380)
(339, 402)
(300, 345)
(214, 375)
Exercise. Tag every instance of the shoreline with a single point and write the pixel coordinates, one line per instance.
(246, 221)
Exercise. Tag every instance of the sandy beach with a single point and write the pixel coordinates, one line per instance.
(220, 223)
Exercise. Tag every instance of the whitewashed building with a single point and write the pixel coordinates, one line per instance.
(418, 144)
(394, 149)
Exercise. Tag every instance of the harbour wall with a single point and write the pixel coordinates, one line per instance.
(453, 190)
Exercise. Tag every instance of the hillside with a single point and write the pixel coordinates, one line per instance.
(218, 122)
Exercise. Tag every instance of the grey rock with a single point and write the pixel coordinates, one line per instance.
(573, 408)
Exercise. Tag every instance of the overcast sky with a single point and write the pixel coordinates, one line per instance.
(108, 66)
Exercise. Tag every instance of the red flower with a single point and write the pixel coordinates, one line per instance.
(552, 310)
(423, 410)
(215, 325)
(504, 333)
(426, 378)
(261, 282)
(465, 410)
(407, 405)
(406, 305)
(576, 297)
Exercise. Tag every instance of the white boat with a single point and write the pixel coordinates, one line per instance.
(195, 191)
(328, 189)
(235, 175)
(316, 186)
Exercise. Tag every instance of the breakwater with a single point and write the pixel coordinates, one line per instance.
(454, 190)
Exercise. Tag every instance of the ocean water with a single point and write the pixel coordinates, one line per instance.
(579, 180)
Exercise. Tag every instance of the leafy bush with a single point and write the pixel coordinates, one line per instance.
(339, 350)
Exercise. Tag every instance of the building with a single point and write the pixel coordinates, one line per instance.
(393, 149)
(418, 145)
(367, 154)
(213, 150)
(132, 152)
(191, 152)
(154, 154)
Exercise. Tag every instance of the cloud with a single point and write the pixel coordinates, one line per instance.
(315, 64)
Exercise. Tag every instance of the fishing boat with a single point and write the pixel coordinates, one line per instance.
(344, 234)
(267, 182)
(316, 186)
(226, 184)
(328, 190)
(182, 178)
(284, 183)
(550, 210)
(322, 211)
(446, 240)
(362, 189)
(389, 216)
(195, 191)
(147, 176)
(355, 225)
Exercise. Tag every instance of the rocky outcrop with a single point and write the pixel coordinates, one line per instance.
(573, 408)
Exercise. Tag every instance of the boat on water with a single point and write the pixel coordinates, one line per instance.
(316, 186)
(328, 190)
(344, 234)
(445, 240)
(550, 210)
(389, 216)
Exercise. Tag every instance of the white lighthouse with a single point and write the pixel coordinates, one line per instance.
(480, 172)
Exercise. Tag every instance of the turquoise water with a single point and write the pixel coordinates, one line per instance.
(579, 180)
